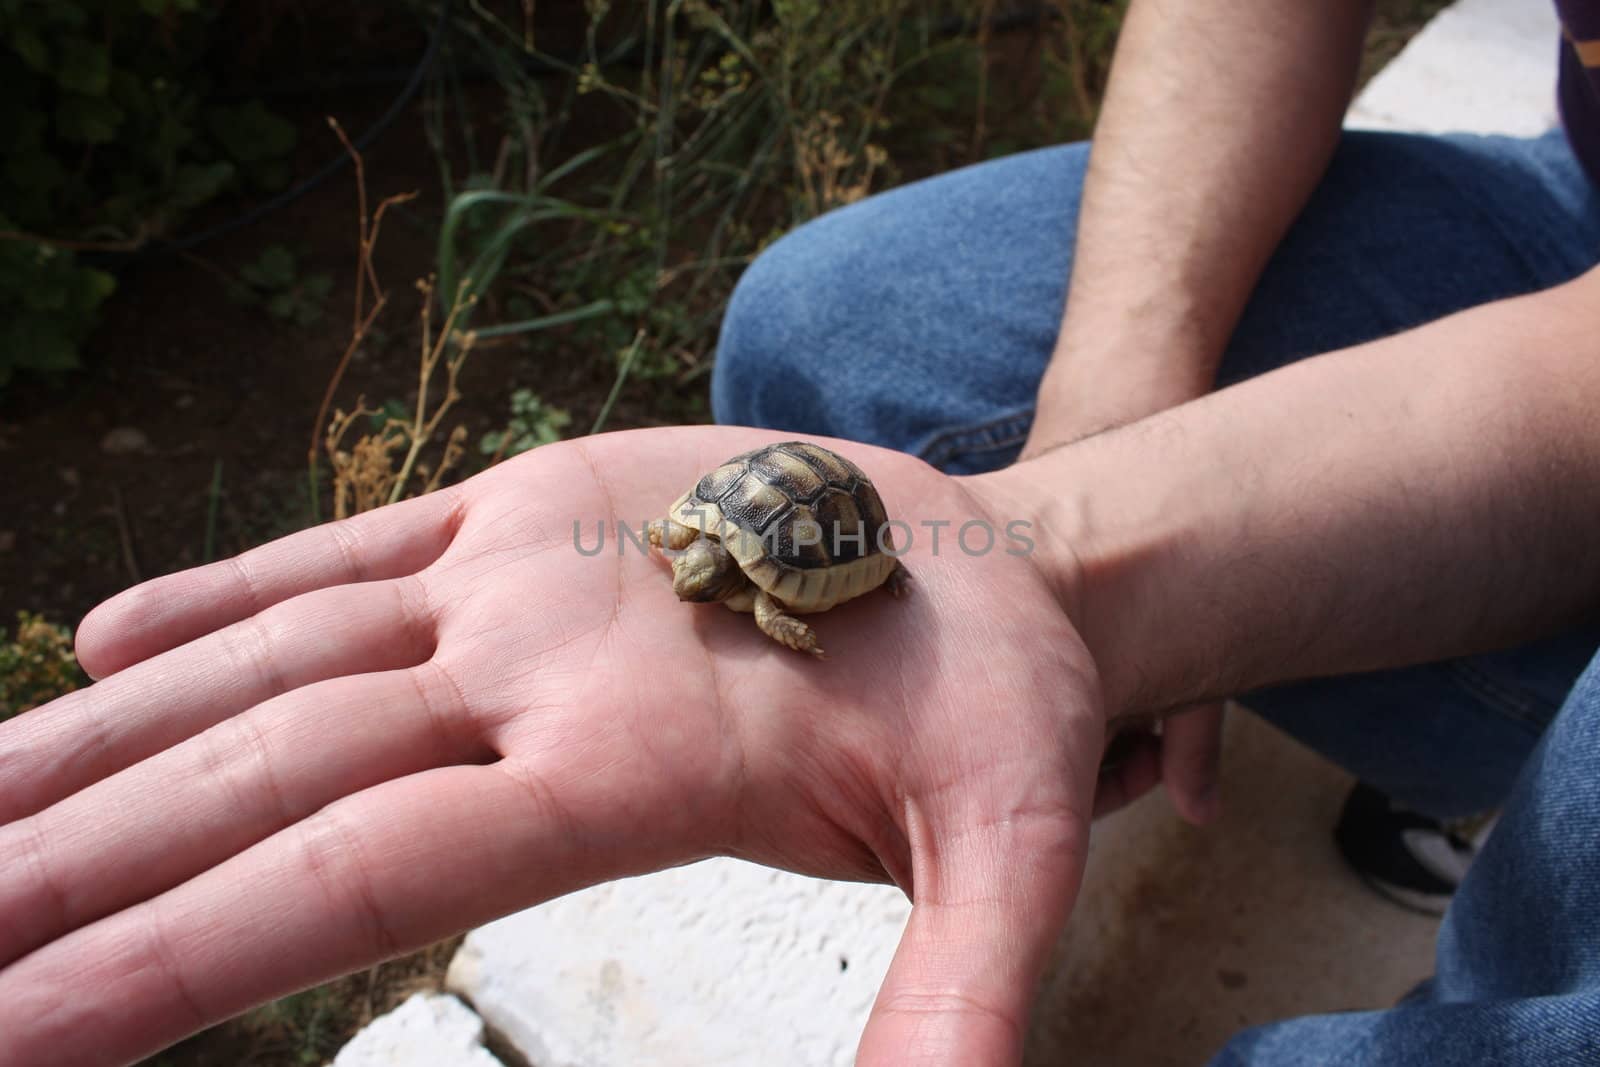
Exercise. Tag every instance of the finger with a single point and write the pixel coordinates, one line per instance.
(380, 873)
(162, 614)
(1191, 754)
(54, 751)
(962, 982)
(1138, 772)
(243, 780)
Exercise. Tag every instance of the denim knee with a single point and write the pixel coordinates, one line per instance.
(910, 317)
(772, 359)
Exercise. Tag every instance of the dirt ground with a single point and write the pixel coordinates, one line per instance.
(107, 472)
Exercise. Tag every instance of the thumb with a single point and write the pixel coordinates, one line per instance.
(987, 914)
(1191, 751)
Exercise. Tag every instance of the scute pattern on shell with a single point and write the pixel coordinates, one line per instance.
(797, 496)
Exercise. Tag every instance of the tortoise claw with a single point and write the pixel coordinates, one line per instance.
(792, 633)
(784, 629)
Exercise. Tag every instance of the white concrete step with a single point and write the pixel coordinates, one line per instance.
(1480, 66)
(428, 1030)
(721, 962)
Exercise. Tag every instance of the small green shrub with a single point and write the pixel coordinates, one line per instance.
(307, 1022)
(533, 423)
(48, 303)
(109, 143)
(36, 665)
(274, 280)
(624, 199)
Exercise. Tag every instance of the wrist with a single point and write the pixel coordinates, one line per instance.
(1348, 513)
(1093, 386)
(1094, 553)
(1156, 321)
(1080, 400)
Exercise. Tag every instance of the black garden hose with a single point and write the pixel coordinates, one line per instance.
(328, 169)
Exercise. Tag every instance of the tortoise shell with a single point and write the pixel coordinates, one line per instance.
(803, 523)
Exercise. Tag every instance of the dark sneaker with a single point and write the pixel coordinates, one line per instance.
(1414, 860)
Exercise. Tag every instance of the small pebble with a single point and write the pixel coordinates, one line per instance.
(8, 540)
(124, 441)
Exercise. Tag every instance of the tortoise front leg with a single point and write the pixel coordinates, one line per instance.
(665, 533)
(784, 629)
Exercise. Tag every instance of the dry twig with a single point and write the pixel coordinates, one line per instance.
(366, 277)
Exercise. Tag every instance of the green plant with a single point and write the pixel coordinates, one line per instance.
(109, 143)
(533, 423)
(48, 303)
(274, 280)
(623, 199)
(304, 1027)
(36, 665)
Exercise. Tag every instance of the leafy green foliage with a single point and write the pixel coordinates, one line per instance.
(36, 665)
(256, 139)
(47, 306)
(533, 423)
(275, 281)
(747, 118)
(108, 145)
(392, 410)
(300, 1028)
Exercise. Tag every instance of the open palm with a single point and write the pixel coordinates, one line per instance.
(363, 738)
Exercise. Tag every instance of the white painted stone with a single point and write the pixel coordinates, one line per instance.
(1480, 66)
(721, 962)
(428, 1030)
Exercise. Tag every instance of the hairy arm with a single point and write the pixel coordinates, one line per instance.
(1219, 120)
(1431, 494)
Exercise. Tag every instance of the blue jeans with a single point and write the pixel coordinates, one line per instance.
(1517, 969)
(922, 319)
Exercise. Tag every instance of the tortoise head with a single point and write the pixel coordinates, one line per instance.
(706, 572)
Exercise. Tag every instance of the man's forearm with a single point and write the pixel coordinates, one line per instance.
(1219, 120)
(1423, 496)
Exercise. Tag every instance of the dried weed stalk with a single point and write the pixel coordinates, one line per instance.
(830, 174)
(365, 475)
(377, 468)
(36, 666)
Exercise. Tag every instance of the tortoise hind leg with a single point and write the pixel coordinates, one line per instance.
(784, 629)
(899, 582)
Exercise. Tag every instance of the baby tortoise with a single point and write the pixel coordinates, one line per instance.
(789, 529)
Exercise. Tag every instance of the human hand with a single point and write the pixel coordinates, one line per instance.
(1184, 757)
(368, 736)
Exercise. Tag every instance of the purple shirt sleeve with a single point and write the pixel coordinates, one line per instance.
(1579, 90)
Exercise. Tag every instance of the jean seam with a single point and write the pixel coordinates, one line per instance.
(1515, 706)
(986, 436)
